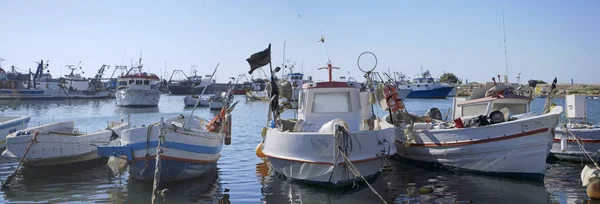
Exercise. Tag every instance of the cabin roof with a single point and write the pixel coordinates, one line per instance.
(491, 98)
(332, 84)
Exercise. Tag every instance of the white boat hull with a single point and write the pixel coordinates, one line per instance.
(190, 101)
(514, 147)
(10, 124)
(313, 158)
(215, 105)
(590, 139)
(55, 146)
(137, 97)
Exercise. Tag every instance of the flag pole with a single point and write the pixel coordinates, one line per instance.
(200, 97)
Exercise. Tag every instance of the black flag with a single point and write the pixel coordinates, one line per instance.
(259, 59)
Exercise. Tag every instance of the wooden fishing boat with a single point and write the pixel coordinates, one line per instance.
(512, 142)
(185, 147)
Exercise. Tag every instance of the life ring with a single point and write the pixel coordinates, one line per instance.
(390, 92)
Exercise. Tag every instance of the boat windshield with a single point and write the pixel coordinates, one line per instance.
(338, 102)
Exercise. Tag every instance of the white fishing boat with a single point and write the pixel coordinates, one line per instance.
(14, 85)
(512, 142)
(193, 99)
(10, 124)
(58, 143)
(79, 87)
(582, 138)
(137, 88)
(189, 147)
(334, 134)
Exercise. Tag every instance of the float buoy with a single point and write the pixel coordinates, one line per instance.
(259, 152)
(593, 189)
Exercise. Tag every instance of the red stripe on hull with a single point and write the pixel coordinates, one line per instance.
(176, 159)
(478, 141)
(582, 140)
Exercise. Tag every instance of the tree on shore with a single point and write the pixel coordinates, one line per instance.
(449, 78)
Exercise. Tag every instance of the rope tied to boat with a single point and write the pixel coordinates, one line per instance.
(580, 145)
(342, 148)
(157, 170)
(147, 155)
(12, 175)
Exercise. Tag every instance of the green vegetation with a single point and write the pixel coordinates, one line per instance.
(449, 78)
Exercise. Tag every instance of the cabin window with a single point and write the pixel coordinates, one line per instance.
(138, 82)
(122, 83)
(146, 82)
(426, 85)
(130, 81)
(408, 86)
(514, 108)
(474, 110)
(331, 102)
(418, 85)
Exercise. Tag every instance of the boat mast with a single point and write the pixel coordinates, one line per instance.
(283, 61)
(505, 53)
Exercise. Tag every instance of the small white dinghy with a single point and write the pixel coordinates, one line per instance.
(566, 146)
(193, 99)
(508, 145)
(219, 100)
(335, 141)
(10, 124)
(58, 143)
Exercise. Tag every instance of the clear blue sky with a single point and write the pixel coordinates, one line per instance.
(544, 38)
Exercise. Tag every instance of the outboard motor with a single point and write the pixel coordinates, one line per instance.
(434, 113)
(496, 117)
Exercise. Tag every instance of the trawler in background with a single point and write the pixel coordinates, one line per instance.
(41, 85)
(189, 85)
(137, 88)
(425, 87)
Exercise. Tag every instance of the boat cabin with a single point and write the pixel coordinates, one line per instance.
(139, 81)
(296, 79)
(324, 101)
(479, 104)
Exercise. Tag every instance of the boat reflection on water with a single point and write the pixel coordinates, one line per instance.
(407, 183)
(135, 110)
(448, 186)
(204, 189)
(46, 104)
(277, 189)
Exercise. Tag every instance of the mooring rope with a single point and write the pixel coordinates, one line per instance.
(10, 177)
(348, 164)
(357, 174)
(157, 172)
(567, 130)
(147, 156)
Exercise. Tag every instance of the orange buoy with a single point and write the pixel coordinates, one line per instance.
(593, 189)
(259, 152)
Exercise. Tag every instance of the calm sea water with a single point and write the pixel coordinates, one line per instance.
(241, 177)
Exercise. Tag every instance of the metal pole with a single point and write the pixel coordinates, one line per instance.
(199, 97)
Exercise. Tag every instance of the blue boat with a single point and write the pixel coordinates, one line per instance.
(425, 87)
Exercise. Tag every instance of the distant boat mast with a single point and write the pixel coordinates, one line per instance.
(505, 53)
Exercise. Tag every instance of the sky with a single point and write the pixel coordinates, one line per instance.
(544, 39)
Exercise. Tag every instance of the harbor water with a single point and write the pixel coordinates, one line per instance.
(241, 177)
